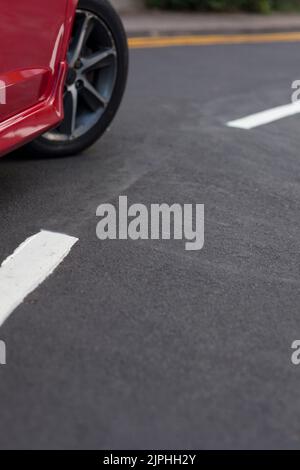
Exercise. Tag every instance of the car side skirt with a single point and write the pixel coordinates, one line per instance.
(24, 127)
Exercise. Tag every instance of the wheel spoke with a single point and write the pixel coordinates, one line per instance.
(97, 60)
(68, 125)
(81, 38)
(93, 97)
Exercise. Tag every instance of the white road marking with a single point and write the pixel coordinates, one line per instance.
(31, 263)
(266, 117)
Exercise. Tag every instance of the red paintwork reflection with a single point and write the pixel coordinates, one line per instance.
(34, 41)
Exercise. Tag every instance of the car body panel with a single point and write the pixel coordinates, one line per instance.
(34, 42)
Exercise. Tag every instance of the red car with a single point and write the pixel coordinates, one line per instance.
(63, 71)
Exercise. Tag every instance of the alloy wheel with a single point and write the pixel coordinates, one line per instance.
(92, 59)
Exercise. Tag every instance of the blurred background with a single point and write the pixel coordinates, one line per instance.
(261, 6)
(163, 17)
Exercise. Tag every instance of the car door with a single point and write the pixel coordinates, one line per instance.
(31, 37)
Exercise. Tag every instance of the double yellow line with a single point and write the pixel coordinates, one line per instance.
(209, 40)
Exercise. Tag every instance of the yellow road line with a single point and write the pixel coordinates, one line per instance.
(207, 40)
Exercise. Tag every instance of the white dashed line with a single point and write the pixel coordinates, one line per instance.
(23, 271)
(266, 117)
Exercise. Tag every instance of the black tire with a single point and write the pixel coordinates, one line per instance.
(42, 146)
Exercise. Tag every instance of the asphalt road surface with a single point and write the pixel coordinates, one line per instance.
(140, 344)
